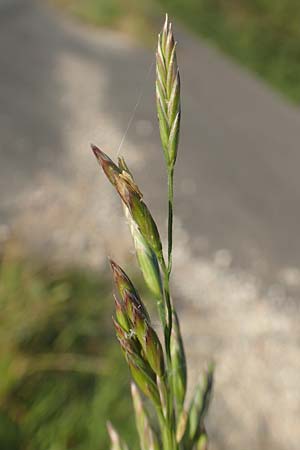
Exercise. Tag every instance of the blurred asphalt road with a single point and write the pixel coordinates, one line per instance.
(238, 184)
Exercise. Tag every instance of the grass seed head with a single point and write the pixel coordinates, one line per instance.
(126, 288)
(131, 197)
(168, 93)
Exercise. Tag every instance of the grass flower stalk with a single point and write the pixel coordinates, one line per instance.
(158, 370)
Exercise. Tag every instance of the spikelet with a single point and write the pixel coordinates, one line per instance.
(132, 198)
(139, 341)
(199, 407)
(168, 93)
(146, 257)
(116, 442)
(148, 438)
(202, 442)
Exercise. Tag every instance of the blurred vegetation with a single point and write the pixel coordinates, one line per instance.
(136, 17)
(61, 373)
(263, 35)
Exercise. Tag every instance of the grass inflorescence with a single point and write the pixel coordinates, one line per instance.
(157, 367)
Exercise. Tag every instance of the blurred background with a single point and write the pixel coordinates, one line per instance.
(79, 71)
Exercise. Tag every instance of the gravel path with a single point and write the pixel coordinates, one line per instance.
(237, 283)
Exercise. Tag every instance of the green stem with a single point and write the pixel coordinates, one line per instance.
(166, 432)
(169, 308)
(168, 426)
(167, 268)
(172, 420)
(162, 425)
(170, 217)
(169, 434)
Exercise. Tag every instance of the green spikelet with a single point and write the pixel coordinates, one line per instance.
(199, 407)
(148, 439)
(116, 442)
(202, 442)
(168, 93)
(147, 260)
(146, 257)
(126, 289)
(132, 198)
(144, 381)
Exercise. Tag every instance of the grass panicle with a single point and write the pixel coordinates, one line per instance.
(158, 369)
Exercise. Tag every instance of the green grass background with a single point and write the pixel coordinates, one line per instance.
(62, 375)
(263, 35)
